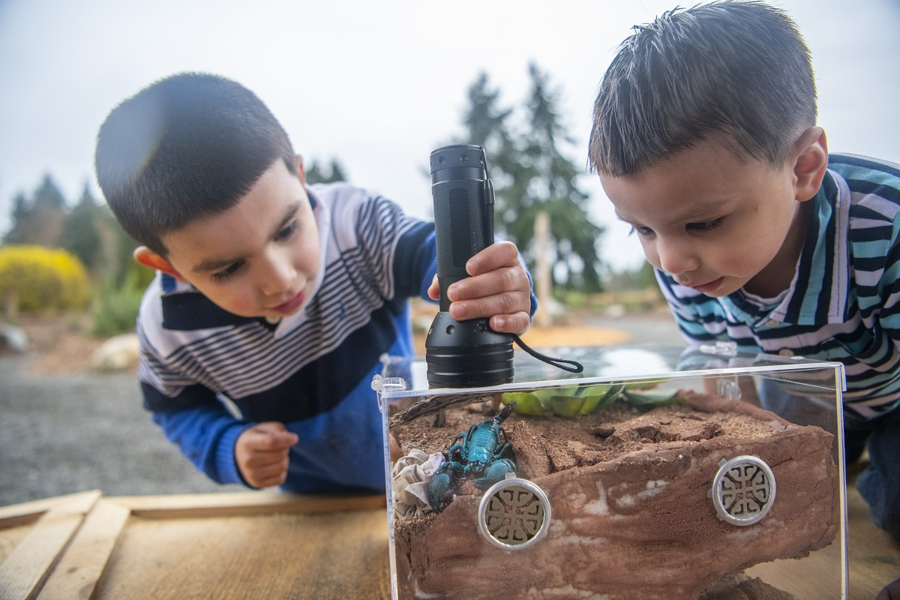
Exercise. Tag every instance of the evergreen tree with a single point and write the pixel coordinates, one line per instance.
(317, 174)
(48, 195)
(39, 220)
(81, 235)
(19, 215)
(486, 126)
(531, 175)
(553, 188)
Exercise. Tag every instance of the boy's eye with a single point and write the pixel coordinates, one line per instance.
(641, 231)
(287, 231)
(705, 226)
(228, 272)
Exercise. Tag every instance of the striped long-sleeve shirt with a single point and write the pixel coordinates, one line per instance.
(311, 371)
(844, 301)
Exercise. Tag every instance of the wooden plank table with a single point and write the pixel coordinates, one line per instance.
(253, 545)
(244, 545)
(874, 557)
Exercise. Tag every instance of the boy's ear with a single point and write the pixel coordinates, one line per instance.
(810, 163)
(300, 172)
(149, 258)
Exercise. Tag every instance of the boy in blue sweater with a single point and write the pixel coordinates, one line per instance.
(705, 140)
(274, 301)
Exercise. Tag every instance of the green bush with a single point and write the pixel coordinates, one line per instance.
(40, 278)
(117, 307)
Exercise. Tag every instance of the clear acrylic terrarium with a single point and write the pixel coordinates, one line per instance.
(658, 472)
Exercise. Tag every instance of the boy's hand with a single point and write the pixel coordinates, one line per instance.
(498, 288)
(891, 592)
(261, 453)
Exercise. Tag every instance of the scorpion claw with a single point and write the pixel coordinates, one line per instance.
(497, 471)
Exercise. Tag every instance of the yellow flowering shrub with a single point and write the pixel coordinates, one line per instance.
(41, 278)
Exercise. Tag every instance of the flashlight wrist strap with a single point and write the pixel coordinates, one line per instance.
(572, 366)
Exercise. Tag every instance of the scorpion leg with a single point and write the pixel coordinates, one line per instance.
(458, 449)
(502, 433)
(505, 449)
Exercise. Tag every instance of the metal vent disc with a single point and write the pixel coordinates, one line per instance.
(514, 514)
(743, 490)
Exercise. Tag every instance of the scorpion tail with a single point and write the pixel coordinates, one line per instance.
(507, 410)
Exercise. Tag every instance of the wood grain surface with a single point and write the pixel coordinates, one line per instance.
(265, 545)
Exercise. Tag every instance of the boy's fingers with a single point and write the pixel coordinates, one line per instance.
(493, 257)
(264, 469)
(504, 322)
(434, 291)
(497, 287)
(271, 436)
(517, 323)
(271, 470)
(267, 477)
(499, 281)
(261, 453)
(489, 306)
(268, 461)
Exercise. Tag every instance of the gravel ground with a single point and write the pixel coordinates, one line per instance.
(73, 431)
(60, 435)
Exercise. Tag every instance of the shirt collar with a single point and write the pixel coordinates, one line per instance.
(822, 269)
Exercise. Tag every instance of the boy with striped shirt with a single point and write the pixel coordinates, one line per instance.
(274, 301)
(706, 142)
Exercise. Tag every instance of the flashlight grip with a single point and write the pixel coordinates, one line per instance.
(463, 353)
(462, 228)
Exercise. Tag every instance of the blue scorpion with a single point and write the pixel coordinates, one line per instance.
(482, 456)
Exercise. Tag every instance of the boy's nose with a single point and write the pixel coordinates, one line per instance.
(676, 256)
(277, 276)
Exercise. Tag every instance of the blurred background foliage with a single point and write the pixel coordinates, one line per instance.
(36, 278)
(58, 255)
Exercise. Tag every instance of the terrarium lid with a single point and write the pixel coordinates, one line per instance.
(404, 377)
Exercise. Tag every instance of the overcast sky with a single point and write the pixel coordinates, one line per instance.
(380, 84)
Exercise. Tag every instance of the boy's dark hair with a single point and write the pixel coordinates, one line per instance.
(186, 146)
(736, 67)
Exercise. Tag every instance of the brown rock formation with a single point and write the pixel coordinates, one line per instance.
(631, 518)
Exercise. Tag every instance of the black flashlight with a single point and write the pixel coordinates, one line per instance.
(463, 353)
